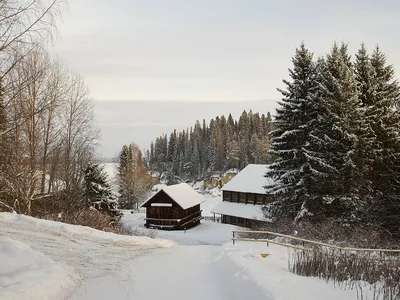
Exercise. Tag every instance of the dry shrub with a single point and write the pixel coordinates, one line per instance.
(5, 208)
(151, 233)
(346, 269)
(87, 217)
(72, 208)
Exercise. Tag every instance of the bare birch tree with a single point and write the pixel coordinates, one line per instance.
(51, 126)
(47, 131)
(25, 25)
(55, 143)
(79, 135)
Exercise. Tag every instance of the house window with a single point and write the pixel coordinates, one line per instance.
(235, 197)
(242, 198)
(227, 196)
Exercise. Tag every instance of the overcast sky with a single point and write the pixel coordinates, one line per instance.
(205, 50)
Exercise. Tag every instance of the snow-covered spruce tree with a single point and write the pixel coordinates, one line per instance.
(385, 122)
(293, 124)
(195, 161)
(233, 154)
(339, 185)
(244, 136)
(367, 88)
(99, 193)
(217, 153)
(125, 158)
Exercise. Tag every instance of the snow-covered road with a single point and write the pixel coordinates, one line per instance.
(45, 260)
(180, 272)
(79, 254)
(103, 268)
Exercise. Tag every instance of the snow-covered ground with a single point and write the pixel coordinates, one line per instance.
(271, 273)
(41, 259)
(29, 274)
(211, 199)
(208, 233)
(46, 260)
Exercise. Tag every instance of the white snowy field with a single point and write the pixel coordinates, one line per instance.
(44, 260)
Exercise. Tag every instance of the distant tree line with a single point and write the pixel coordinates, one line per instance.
(337, 139)
(205, 149)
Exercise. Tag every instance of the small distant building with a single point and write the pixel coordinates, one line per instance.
(244, 196)
(173, 207)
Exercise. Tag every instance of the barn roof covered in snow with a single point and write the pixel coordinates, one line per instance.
(184, 195)
(250, 180)
(240, 210)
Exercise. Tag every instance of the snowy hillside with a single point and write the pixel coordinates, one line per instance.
(43, 260)
(29, 274)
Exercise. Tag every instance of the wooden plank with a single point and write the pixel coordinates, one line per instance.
(193, 220)
(173, 220)
(157, 219)
(191, 215)
(160, 226)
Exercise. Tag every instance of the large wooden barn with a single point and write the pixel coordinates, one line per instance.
(244, 196)
(173, 207)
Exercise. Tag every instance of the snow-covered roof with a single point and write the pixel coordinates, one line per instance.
(184, 195)
(250, 180)
(241, 210)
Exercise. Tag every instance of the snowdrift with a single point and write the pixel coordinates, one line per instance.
(28, 274)
(83, 231)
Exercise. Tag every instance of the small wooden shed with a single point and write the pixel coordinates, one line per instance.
(173, 207)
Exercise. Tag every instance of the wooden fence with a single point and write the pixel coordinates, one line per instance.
(303, 242)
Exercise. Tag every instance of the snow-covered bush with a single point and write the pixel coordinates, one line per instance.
(99, 192)
(151, 233)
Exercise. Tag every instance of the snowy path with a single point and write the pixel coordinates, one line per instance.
(105, 269)
(87, 257)
(180, 272)
(44, 260)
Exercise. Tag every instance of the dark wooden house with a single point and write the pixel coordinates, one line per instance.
(173, 207)
(244, 196)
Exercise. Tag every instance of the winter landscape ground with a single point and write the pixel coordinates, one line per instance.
(43, 260)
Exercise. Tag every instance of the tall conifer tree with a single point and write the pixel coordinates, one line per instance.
(291, 134)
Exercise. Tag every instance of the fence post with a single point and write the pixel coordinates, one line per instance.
(233, 237)
(267, 239)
